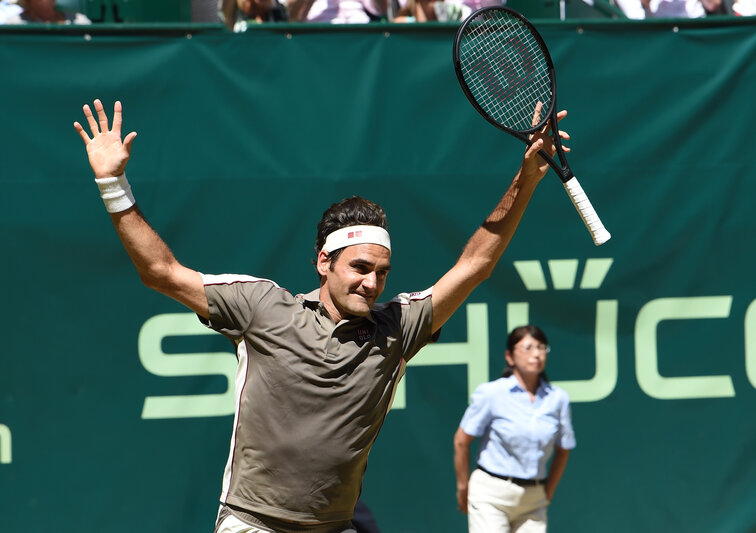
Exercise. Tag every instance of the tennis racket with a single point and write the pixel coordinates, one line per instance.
(505, 70)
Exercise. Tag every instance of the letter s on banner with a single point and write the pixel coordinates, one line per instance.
(159, 363)
(5, 445)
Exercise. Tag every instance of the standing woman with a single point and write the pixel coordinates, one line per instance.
(521, 420)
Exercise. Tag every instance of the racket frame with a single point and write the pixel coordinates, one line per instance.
(562, 168)
(579, 199)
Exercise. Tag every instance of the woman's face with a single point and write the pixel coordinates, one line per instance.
(528, 357)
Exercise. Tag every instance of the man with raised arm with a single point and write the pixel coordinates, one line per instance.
(317, 371)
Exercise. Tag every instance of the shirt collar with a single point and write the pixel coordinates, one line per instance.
(312, 301)
(513, 384)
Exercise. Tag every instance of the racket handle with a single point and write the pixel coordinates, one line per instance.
(587, 213)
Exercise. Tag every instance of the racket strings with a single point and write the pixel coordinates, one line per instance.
(505, 69)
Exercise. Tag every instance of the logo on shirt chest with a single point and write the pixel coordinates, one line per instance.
(364, 334)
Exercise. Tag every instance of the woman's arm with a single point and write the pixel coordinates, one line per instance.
(556, 471)
(462, 443)
(488, 243)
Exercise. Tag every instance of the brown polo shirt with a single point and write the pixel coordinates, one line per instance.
(311, 395)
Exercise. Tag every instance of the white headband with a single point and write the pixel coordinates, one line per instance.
(356, 235)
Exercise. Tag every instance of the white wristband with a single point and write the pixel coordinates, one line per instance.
(116, 193)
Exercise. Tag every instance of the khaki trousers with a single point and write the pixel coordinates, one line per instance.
(496, 505)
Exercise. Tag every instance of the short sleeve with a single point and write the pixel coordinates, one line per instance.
(478, 416)
(416, 321)
(232, 301)
(565, 437)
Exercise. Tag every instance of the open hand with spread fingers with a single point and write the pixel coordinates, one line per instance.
(108, 153)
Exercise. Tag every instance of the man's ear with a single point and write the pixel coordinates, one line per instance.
(323, 263)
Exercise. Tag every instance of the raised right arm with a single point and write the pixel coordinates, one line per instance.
(154, 261)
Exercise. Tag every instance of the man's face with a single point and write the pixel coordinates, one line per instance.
(355, 280)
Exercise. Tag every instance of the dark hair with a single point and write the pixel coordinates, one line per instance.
(516, 336)
(354, 211)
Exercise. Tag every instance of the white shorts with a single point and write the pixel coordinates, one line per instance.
(231, 524)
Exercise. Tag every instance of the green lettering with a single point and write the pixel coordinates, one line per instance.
(646, 353)
(604, 380)
(750, 342)
(518, 314)
(595, 272)
(159, 363)
(5, 445)
(473, 353)
(531, 274)
(563, 273)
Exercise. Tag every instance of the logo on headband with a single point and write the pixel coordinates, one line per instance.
(351, 235)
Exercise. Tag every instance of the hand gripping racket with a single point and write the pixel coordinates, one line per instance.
(505, 70)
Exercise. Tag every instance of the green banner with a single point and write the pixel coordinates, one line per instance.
(115, 404)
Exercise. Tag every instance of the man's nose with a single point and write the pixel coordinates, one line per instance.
(370, 280)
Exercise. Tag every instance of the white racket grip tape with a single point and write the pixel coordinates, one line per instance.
(116, 193)
(587, 213)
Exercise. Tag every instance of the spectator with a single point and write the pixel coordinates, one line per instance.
(9, 9)
(646, 9)
(717, 7)
(337, 11)
(206, 10)
(44, 11)
(744, 8)
(440, 10)
(415, 11)
(237, 14)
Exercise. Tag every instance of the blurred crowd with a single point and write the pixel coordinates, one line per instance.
(238, 14)
(37, 11)
(644, 9)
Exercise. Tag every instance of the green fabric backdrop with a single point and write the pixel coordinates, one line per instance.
(244, 139)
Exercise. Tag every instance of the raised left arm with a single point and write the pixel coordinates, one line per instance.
(482, 251)
(488, 243)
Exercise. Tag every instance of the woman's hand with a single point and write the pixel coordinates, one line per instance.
(462, 499)
(549, 490)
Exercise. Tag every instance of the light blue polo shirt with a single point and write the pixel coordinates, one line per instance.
(518, 436)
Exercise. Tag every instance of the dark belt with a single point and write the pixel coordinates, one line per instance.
(515, 480)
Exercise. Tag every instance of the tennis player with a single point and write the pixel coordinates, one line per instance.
(316, 371)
